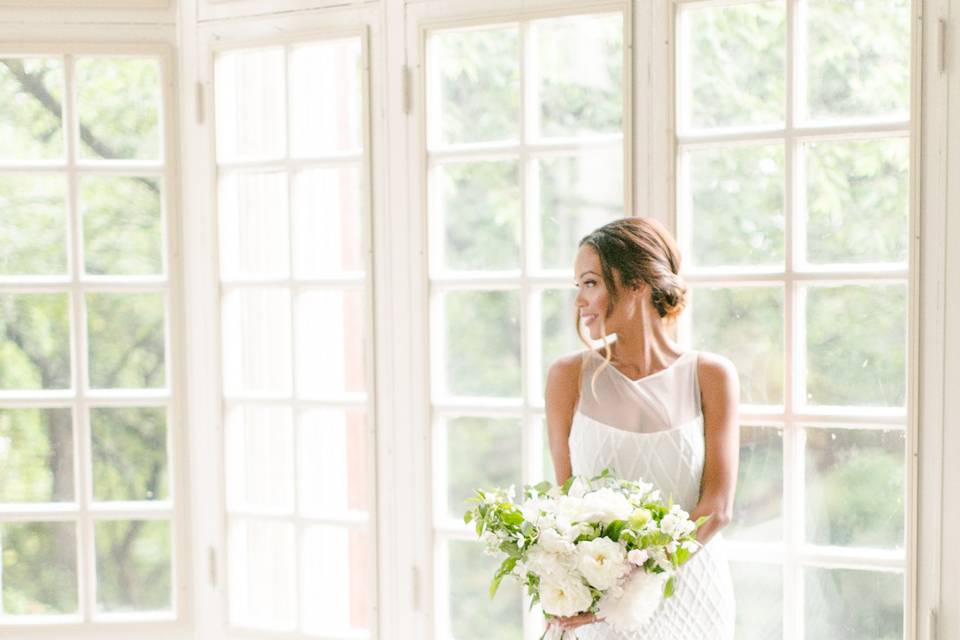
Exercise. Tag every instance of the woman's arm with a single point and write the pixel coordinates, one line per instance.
(720, 394)
(560, 397)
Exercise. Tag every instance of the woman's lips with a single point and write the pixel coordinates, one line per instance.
(588, 318)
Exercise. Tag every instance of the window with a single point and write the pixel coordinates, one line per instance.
(292, 176)
(793, 210)
(89, 407)
(527, 149)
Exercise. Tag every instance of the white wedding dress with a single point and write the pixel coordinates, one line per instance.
(652, 428)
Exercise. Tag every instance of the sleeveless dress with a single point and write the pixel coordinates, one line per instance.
(652, 428)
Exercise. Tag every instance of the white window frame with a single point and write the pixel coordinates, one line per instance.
(203, 40)
(176, 623)
(422, 19)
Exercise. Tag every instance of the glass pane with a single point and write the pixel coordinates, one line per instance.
(121, 225)
(858, 58)
(250, 105)
(482, 343)
(126, 340)
(855, 487)
(759, 595)
(328, 209)
(736, 202)
(31, 92)
(477, 206)
(118, 101)
(578, 70)
(734, 66)
(482, 453)
(330, 343)
(857, 201)
(856, 345)
(333, 452)
(259, 458)
(36, 455)
(33, 223)
(256, 341)
(129, 446)
(470, 572)
(133, 565)
(758, 506)
(39, 568)
(744, 324)
(254, 225)
(577, 194)
(262, 575)
(473, 79)
(34, 341)
(326, 97)
(558, 328)
(335, 595)
(853, 605)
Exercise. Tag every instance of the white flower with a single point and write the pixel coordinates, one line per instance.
(577, 488)
(564, 595)
(545, 563)
(606, 505)
(676, 523)
(602, 562)
(635, 603)
(552, 541)
(659, 555)
(638, 556)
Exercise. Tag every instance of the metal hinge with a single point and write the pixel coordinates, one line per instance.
(199, 103)
(212, 566)
(416, 588)
(407, 88)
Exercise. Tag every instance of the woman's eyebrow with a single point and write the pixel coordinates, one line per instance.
(586, 272)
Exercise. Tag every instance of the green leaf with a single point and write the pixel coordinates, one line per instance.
(543, 487)
(668, 587)
(614, 528)
(565, 488)
(467, 517)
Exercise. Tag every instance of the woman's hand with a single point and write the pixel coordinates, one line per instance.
(572, 622)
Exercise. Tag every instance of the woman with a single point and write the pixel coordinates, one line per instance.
(644, 408)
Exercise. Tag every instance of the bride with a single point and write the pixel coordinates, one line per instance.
(644, 408)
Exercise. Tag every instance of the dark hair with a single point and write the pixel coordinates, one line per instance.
(640, 250)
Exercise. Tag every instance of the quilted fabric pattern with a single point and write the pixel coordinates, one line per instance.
(702, 607)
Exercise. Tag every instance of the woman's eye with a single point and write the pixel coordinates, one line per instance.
(590, 283)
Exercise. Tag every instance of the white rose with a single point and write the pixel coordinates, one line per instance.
(552, 541)
(606, 505)
(564, 595)
(602, 562)
(546, 563)
(629, 608)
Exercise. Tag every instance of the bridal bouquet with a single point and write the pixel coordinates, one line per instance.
(600, 545)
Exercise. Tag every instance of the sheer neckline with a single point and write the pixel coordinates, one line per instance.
(650, 375)
(674, 429)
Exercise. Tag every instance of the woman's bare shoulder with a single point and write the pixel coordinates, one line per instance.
(717, 373)
(563, 376)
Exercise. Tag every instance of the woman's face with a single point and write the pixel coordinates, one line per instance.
(593, 297)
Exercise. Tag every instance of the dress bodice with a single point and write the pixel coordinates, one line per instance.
(651, 428)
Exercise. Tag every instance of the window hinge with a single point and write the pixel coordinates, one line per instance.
(199, 103)
(942, 45)
(212, 566)
(415, 591)
(932, 625)
(407, 88)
